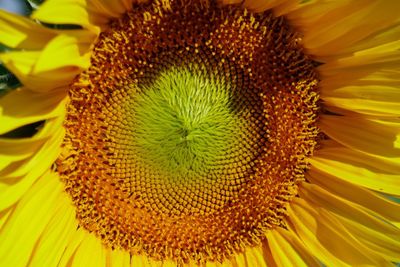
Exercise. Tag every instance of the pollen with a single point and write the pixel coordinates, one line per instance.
(188, 134)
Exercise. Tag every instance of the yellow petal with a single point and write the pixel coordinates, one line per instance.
(381, 55)
(110, 8)
(4, 216)
(212, 264)
(375, 203)
(388, 35)
(254, 256)
(359, 76)
(365, 106)
(305, 225)
(365, 210)
(387, 247)
(285, 7)
(229, 2)
(193, 263)
(328, 239)
(55, 237)
(239, 260)
(6, 160)
(374, 92)
(13, 185)
(367, 135)
(22, 146)
(225, 263)
(89, 253)
(69, 52)
(268, 254)
(14, 153)
(18, 149)
(19, 32)
(363, 175)
(332, 150)
(311, 11)
(367, 91)
(140, 260)
(332, 27)
(288, 250)
(168, 263)
(22, 106)
(118, 258)
(73, 243)
(52, 131)
(91, 14)
(353, 250)
(68, 12)
(260, 6)
(154, 263)
(39, 71)
(24, 227)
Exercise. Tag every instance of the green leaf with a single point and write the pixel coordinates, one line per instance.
(35, 4)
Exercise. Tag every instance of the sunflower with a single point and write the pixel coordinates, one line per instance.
(201, 133)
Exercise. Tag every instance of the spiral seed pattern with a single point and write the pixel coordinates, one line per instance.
(187, 136)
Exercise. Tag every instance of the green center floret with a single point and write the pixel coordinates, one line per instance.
(185, 123)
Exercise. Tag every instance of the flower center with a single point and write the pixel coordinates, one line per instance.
(184, 126)
(186, 137)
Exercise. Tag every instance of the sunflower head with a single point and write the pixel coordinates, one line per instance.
(180, 126)
(202, 133)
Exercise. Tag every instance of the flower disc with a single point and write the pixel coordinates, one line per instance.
(186, 137)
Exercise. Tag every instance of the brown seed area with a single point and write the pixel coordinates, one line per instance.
(219, 211)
